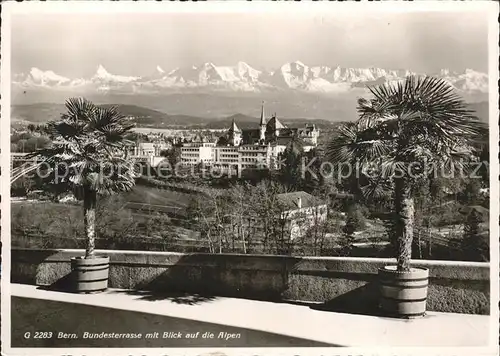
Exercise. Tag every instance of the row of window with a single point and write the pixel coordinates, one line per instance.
(248, 165)
(248, 156)
(253, 148)
(251, 160)
(254, 154)
(234, 166)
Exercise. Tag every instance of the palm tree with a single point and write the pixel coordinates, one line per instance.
(88, 157)
(405, 132)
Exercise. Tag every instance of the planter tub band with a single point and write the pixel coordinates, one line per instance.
(403, 294)
(90, 275)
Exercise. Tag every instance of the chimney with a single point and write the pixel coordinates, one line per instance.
(299, 202)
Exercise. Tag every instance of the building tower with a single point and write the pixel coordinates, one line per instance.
(262, 137)
(234, 134)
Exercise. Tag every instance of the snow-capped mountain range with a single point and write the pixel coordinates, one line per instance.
(241, 78)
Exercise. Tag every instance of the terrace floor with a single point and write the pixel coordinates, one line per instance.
(258, 323)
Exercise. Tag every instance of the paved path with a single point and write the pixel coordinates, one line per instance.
(259, 323)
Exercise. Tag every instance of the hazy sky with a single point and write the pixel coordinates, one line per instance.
(132, 44)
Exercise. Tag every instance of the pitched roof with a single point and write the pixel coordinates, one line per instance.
(234, 127)
(274, 124)
(282, 141)
(198, 138)
(482, 211)
(291, 199)
(250, 135)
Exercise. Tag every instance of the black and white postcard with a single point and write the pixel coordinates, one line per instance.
(249, 178)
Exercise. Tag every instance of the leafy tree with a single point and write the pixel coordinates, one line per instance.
(313, 178)
(402, 131)
(22, 186)
(115, 220)
(223, 141)
(354, 222)
(26, 142)
(474, 244)
(21, 146)
(134, 136)
(37, 142)
(87, 156)
(174, 155)
(347, 240)
(471, 194)
(484, 159)
(291, 173)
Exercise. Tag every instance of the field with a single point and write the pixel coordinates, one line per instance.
(161, 200)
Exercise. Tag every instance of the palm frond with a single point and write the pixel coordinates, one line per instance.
(376, 186)
(79, 110)
(421, 118)
(355, 143)
(88, 148)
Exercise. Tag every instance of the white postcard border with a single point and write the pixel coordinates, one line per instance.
(216, 6)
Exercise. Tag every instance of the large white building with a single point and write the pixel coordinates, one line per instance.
(149, 152)
(240, 150)
(197, 152)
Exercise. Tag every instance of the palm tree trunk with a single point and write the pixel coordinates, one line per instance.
(89, 207)
(405, 211)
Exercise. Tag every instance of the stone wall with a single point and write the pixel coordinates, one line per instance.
(334, 283)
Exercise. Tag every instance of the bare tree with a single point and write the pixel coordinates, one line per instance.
(209, 214)
(242, 226)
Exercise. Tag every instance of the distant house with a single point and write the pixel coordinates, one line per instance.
(302, 210)
(149, 152)
(150, 148)
(482, 212)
